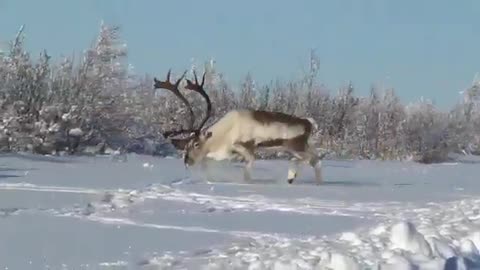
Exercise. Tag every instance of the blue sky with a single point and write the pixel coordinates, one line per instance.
(424, 48)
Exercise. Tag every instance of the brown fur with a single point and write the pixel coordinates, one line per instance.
(296, 144)
(266, 117)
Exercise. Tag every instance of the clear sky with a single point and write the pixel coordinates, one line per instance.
(424, 48)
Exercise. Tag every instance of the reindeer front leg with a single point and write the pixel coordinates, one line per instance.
(292, 170)
(249, 157)
(205, 168)
(309, 157)
(316, 162)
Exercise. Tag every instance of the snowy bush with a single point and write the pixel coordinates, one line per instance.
(96, 103)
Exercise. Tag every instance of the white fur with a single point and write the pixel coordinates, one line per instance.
(313, 122)
(239, 126)
(291, 173)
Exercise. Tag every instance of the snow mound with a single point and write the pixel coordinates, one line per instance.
(338, 261)
(411, 250)
(424, 243)
(405, 236)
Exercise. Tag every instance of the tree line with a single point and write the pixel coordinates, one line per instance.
(95, 104)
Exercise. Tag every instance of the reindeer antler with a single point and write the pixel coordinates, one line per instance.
(199, 89)
(193, 86)
(174, 89)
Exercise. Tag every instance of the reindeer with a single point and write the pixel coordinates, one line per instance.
(240, 133)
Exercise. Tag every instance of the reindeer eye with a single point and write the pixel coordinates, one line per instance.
(196, 144)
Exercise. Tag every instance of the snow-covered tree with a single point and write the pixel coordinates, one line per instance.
(98, 102)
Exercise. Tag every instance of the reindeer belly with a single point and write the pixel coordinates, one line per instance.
(220, 154)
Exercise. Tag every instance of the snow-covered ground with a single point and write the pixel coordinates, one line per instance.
(150, 213)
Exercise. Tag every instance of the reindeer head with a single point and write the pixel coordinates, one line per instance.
(191, 145)
(195, 148)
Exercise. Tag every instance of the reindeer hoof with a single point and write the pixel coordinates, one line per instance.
(291, 176)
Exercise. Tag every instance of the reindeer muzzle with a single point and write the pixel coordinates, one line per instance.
(186, 160)
(185, 156)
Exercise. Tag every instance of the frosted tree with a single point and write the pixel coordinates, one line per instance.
(248, 92)
(264, 97)
(101, 77)
(108, 58)
(391, 125)
(292, 93)
(426, 131)
(313, 71)
(466, 119)
(49, 107)
(373, 116)
(343, 109)
(279, 97)
(221, 94)
(24, 90)
(226, 98)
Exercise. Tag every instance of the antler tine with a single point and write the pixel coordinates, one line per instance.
(167, 84)
(199, 89)
(168, 74)
(180, 79)
(196, 78)
(174, 89)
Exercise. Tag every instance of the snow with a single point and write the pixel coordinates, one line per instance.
(76, 132)
(151, 213)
